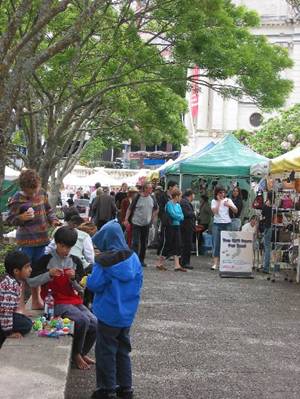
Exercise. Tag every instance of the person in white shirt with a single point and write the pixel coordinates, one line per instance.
(251, 226)
(94, 193)
(220, 207)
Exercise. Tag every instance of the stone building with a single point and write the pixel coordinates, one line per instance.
(215, 115)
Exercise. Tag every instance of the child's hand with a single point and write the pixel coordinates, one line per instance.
(70, 273)
(15, 335)
(55, 272)
(56, 223)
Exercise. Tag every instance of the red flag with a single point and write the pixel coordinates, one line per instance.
(194, 101)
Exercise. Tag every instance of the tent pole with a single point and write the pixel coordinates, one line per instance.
(180, 181)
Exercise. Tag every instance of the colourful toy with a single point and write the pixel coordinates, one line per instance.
(53, 328)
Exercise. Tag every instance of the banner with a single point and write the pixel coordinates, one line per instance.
(236, 257)
(194, 102)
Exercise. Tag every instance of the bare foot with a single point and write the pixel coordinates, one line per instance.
(80, 363)
(88, 360)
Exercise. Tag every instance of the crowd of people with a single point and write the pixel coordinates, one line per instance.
(110, 247)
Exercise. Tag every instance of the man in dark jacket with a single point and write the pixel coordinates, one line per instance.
(103, 208)
(187, 228)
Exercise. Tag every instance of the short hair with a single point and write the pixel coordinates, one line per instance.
(70, 213)
(15, 260)
(66, 235)
(76, 219)
(188, 192)
(97, 185)
(70, 201)
(218, 189)
(145, 185)
(253, 217)
(175, 193)
(171, 184)
(29, 179)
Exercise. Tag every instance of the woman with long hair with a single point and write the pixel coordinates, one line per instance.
(237, 199)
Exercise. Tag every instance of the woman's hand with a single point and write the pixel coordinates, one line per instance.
(25, 216)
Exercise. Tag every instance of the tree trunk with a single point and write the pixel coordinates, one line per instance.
(54, 194)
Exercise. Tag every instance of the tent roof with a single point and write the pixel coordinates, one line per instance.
(227, 158)
(175, 168)
(286, 162)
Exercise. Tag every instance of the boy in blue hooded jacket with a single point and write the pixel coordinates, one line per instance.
(116, 281)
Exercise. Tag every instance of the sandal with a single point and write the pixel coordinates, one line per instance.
(161, 267)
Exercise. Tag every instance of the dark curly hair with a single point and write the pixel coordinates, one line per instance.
(29, 179)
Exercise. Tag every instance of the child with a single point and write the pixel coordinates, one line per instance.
(30, 211)
(116, 280)
(12, 323)
(61, 272)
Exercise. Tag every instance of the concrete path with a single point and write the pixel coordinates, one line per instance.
(200, 336)
(34, 367)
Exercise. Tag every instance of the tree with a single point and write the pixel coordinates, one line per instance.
(117, 52)
(277, 135)
(26, 43)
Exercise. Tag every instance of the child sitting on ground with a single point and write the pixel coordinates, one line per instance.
(61, 272)
(12, 323)
(116, 280)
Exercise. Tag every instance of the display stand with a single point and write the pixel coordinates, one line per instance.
(284, 219)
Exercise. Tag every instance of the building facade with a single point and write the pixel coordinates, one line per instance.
(215, 115)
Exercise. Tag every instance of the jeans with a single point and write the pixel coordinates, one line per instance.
(84, 329)
(113, 364)
(216, 233)
(140, 240)
(236, 224)
(21, 324)
(267, 248)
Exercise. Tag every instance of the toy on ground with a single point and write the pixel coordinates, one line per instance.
(53, 328)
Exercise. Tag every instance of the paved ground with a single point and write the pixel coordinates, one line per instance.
(203, 337)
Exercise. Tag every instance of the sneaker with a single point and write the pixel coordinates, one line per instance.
(101, 394)
(214, 267)
(124, 393)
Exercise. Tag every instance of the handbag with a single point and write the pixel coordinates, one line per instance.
(287, 203)
(258, 202)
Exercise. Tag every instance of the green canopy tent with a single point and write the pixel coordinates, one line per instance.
(175, 168)
(227, 158)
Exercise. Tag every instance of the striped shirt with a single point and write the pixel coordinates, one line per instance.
(32, 233)
(10, 292)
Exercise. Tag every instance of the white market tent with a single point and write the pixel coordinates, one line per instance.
(11, 174)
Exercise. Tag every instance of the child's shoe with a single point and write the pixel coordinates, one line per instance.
(124, 393)
(101, 394)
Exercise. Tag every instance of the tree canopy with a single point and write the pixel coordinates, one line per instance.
(277, 135)
(71, 70)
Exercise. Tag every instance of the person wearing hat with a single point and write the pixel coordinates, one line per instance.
(132, 191)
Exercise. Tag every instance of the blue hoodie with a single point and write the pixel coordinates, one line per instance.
(116, 279)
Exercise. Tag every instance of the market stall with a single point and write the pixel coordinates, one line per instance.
(284, 171)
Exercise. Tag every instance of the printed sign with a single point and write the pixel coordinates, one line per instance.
(236, 257)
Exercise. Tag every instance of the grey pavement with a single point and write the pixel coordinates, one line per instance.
(199, 336)
(34, 367)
